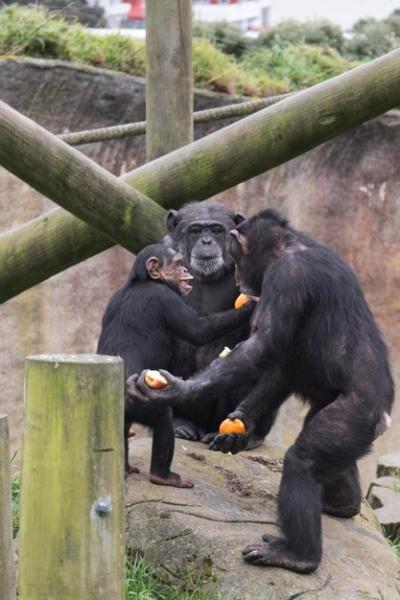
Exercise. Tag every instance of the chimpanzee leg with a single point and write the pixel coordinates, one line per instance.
(128, 468)
(163, 450)
(341, 497)
(328, 446)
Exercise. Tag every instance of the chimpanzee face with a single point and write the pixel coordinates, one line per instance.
(206, 242)
(170, 270)
(200, 232)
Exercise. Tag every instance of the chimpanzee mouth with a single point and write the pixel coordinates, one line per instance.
(207, 266)
(185, 286)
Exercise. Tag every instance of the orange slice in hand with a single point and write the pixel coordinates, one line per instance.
(155, 380)
(232, 426)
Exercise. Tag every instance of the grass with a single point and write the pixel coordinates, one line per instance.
(35, 32)
(395, 545)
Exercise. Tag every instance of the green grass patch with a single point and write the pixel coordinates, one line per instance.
(15, 486)
(297, 66)
(395, 545)
(142, 584)
(35, 32)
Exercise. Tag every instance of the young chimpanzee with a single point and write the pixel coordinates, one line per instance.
(143, 323)
(313, 335)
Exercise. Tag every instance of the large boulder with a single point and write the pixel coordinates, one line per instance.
(197, 534)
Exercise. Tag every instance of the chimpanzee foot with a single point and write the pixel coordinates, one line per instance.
(172, 479)
(186, 430)
(129, 469)
(275, 553)
(344, 512)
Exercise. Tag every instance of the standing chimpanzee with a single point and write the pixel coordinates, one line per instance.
(200, 232)
(143, 323)
(313, 335)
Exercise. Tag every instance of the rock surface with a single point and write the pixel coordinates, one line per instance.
(199, 533)
(384, 497)
(389, 465)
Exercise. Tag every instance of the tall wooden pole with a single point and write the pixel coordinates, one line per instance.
(72, 509)
(169, 76)
(7, 571)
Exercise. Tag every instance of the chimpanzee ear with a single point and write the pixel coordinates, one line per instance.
(238, 218)
(241, 239)
(172, 219)
(153, 267)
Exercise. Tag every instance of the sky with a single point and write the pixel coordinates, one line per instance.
(342, 12)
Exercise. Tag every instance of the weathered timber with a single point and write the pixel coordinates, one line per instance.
(218, 161)
(7, 570)
(169, 76)
(75, 182)
(72, 511)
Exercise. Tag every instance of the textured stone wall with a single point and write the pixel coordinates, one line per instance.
(346, 193)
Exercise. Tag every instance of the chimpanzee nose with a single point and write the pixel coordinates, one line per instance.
(206, 240)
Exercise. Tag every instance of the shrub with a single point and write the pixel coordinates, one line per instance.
(297, 66)
(222, 35)
(370, 39)
(292, 32)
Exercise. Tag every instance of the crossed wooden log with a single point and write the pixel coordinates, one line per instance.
(104, 210)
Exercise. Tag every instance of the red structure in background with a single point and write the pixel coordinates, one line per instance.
(136, 15)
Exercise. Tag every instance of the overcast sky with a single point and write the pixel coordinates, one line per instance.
(343, 12)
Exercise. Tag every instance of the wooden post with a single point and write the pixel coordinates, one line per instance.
(169, 76)
(72, 509)
(7, 571)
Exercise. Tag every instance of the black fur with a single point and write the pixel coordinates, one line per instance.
(312, 335)
(214, 290)
(143, 323)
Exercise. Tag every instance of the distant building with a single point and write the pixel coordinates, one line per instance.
(248, 15)
(115, 11)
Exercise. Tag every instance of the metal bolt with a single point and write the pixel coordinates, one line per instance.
(102, 507)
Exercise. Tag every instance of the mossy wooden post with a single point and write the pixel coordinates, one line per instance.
(72, 510)
(7, 571)
(169, 76)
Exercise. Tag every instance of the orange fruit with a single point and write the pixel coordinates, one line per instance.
(155, 380)
(241, 300)
(232, 426)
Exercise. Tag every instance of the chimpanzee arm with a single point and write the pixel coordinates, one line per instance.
(259, 406)
(278, 316)
(186, 324)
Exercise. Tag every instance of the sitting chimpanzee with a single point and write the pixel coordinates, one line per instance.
(313, 335)
(143, 323)
(200, 232)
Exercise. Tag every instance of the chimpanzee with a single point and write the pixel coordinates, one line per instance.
(143, 323)
(200, 232)
(313, 335)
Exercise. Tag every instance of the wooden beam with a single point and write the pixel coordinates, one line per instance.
(208, 166)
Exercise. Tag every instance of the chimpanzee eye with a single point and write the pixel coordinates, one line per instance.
(195, 229)
(216, 229)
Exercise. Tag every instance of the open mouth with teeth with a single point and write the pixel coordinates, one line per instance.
(185, 286)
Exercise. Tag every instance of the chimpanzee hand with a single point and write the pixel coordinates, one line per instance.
(174, 392)
(233, 442)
